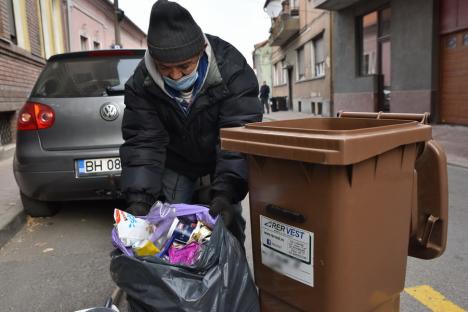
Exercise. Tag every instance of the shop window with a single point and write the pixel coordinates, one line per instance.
(465, 39)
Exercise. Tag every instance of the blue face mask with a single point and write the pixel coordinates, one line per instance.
(184, 83)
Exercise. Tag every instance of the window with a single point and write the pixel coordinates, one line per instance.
(369, 44)
(294, 7)
(96, 45)
(319, 108)
(57, 26)
(17, 23)
(294, 4)
(452, 42)
(301, 63)
(374, 28)
(51, 27)
(311, 59)
(304, 61)
(84, 43)
(85, 77)
(319, 56)
(279, 74)
(465, 39)
(11, 21)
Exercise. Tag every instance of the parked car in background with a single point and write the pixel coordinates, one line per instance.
(69, 130)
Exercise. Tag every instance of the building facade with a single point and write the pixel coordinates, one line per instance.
(453, 73)
(401, 56)
(92, 27)
(30, 30)
(262, 63)
(300, 40)
(33, 30)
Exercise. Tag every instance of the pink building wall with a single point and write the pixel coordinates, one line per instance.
(94, 19)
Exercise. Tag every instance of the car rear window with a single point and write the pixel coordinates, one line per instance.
(85, 77)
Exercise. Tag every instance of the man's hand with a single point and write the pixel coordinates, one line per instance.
(220, 205)
(138, 209)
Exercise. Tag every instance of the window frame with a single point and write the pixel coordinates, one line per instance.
(360, 41)
(86, 40)
(12, 31)
(279, 74)
(298, 63)
(321, 64)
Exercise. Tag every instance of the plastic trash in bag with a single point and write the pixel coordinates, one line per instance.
(220, 280)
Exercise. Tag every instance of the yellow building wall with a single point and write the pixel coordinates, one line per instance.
(51, 27)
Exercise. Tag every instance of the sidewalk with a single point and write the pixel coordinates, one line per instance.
(454, 139)
(12, 216)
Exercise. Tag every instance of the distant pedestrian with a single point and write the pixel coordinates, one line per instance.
(265, 96)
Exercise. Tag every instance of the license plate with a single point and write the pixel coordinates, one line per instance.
(98, 166)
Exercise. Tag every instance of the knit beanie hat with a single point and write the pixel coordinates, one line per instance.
(173, 35)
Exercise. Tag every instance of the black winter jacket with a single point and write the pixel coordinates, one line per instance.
(157, 134)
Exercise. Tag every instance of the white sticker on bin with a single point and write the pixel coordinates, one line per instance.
(287, 250)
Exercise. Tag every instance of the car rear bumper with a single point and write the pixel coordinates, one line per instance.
(64, 186)
(50, 175)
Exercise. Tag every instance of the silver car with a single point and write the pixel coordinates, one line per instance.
(69, 130)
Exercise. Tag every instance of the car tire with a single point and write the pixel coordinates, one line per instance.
(37, 208)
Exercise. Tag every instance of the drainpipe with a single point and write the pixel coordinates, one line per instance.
(69, 18)
(117, 24)
(330, 36)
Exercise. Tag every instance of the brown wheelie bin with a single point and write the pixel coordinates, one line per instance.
(337, 205)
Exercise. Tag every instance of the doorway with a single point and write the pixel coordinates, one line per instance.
(376, 54)
(454, 78)
(290, 87)
(385, 87)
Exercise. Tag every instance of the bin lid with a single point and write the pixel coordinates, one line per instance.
(333, 141)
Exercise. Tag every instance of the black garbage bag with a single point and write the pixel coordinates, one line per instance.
(219, 281)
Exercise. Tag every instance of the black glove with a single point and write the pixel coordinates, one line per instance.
(221, 205)
(138, 209)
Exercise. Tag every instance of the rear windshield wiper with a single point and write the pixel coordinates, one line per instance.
(116, 90)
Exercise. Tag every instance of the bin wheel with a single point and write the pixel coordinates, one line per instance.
(37, 208)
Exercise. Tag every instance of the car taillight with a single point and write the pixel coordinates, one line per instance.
(35, 116)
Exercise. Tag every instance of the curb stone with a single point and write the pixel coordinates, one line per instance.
(7, 151)
(12, 227)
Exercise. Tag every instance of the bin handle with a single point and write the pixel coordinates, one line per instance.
(428, 233)
(285, 213)
(422, 118)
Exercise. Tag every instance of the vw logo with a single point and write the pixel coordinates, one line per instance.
(109, 111)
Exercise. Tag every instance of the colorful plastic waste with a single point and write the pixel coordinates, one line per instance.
(184, 254)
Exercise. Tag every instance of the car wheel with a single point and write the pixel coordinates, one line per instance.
(37, 208)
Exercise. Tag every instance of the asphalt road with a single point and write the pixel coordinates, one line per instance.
(59, 263)
(447, 274)
(62, 263)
